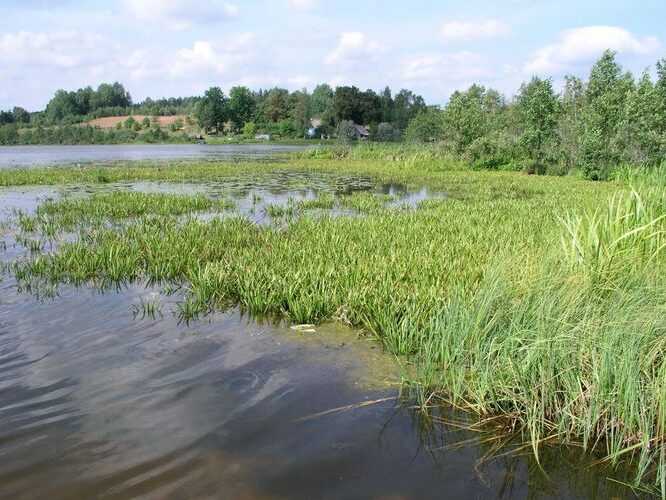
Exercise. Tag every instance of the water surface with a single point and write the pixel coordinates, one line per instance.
(40, 156)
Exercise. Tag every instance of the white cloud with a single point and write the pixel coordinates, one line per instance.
(181, 14)
(353, 47)
(300, 81)
(205, 59)
(60, 49)
(453, 66)
(582, 45)
(468, 31)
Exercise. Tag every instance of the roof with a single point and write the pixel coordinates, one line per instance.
(361, 130)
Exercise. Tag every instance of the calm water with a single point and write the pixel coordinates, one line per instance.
(38, 156)
(97, 402)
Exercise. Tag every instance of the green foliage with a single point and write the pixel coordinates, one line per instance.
(301, 113)
(249, 129)
(70, 105)
(605, 94)
(211, 111)
(240, 106)
(405, 106)
(466, 117)
(538, 107)
(322, 103)
(385, 132)
(346, 131)
(276, 106)
(495, 151)
(359, 107)
(426, 126)
(641, 137)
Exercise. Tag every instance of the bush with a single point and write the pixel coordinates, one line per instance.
(250, 129)
(493, 151)
(385, 132)
(346, 131)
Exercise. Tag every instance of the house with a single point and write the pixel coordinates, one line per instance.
(361, 132)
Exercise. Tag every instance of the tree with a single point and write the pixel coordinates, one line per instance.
(465, 118)
(346, 104)
(570, 125)
(61, 106)
(538, 108)
(301, 113)
(346, 131)
(241, 107)
(385, 132)
(605, 94)
(276, 107)
(406, 105)
(425, 126)
(6, 117)
(110, 95)
(321, 102)
(660, 102)
(386, 103)
(211, 111)
(641, 138)
(20, 115)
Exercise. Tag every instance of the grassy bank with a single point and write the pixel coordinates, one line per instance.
(541, 300)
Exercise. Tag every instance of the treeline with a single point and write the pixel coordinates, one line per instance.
(281, 113)
(85, 134)
(85, 104)
(593, 125)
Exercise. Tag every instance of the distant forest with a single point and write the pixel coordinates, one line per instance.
(591, 125)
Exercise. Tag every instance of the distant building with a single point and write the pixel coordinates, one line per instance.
(361, 132)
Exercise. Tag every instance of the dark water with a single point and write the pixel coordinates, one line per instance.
(39, 156)
(97, 402)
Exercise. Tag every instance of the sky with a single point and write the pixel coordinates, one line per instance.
(163, 48)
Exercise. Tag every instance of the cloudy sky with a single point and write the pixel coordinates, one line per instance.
(161, 48)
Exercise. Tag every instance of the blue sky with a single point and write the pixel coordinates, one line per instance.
(161, 48)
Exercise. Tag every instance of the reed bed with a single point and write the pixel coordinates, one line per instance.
(538, 302)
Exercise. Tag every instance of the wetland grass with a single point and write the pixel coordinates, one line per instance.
(537, 302)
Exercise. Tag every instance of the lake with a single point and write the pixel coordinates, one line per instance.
(97, 399)
(39, 156)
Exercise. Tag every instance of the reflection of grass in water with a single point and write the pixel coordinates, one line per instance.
(505, 304)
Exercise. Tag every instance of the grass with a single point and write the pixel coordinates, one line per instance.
(537, 302)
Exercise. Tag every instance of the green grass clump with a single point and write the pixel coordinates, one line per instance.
(53, 216)
(364, 201)
(537, 302)
(323, 200)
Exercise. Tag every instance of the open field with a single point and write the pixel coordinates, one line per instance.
(111, 121)
(536, 303)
